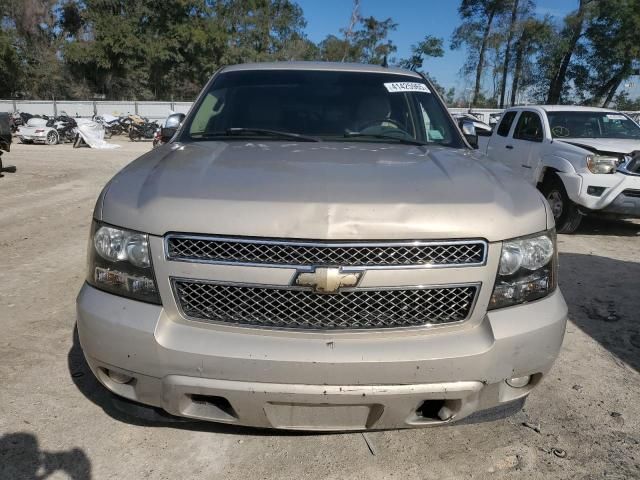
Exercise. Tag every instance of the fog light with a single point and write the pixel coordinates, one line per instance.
(119, 377)
(518, 382)
(595, 191)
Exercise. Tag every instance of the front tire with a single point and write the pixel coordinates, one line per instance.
(565, 212)
(52, 138)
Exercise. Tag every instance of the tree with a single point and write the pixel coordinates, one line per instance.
(478, 18)
(568, 42)
(429, 47)
(372, 40)
(30, 42)
(613, 49)
(126, 49)
(368, 44)
(624, 103)
(534, 37)
(507, 52)
(10, 66)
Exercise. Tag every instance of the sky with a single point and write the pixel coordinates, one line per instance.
(415, 19)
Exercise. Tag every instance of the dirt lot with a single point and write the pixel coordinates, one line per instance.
(56, 420)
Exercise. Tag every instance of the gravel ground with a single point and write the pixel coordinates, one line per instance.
(57, 422)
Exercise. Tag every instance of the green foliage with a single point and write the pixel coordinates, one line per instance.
(163, 49)
(142, 49)
(429, 47)
(10, 64)
(613, 46)
(623, 102)
(368, 44)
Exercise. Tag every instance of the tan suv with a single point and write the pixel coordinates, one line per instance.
(319, 247)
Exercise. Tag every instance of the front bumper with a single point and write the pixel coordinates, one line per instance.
(627, 205)
(615, 198)
(325, 381)
(33, 138)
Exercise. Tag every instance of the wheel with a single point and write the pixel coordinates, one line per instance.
(133, 136)
(565, 212)
(52, 138)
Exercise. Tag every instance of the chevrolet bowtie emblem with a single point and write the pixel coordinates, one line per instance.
(327, 280)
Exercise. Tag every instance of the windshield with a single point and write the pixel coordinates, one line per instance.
(325, 105)
(592, 125)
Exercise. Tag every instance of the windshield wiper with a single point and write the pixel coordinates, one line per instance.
(406, 141)
(236, 131)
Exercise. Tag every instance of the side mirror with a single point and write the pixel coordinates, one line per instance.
(171, 126)
(469, 132)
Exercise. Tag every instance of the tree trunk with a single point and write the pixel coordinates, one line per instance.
(612, 91)
(483, 50)
(517, 72)
(555, 89)
(507, 52)
(608, 89)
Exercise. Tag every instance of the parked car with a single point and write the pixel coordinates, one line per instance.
(581, 158)
(37, 131)
(50, 131)
(5, 141)
(319, 247)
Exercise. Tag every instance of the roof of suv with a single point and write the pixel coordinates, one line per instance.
(327, 66)
(563, 108)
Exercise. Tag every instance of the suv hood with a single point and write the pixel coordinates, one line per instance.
(612, 145)
(322, 191)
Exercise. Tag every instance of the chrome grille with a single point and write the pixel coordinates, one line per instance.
(212, 249)
(302, 309)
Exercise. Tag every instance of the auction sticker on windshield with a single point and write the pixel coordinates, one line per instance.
(616, 117)
(395, 87)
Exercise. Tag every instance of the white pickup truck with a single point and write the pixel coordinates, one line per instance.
(584, 160)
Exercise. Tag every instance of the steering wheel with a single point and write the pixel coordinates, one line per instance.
(560, 131)
(378, 123)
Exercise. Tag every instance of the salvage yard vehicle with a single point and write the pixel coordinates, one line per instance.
(318, 247)
(5, 141)
(50, 131)
(581, 158)
(36, 131)
(145, 130)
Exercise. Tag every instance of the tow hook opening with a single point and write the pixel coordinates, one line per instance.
(210, 406)
(438, 410)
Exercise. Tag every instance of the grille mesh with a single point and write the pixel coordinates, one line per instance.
(303, 309)
(218, 250)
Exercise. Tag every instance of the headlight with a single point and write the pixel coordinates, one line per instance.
(527, 271)
(120, 262)
(602, 164)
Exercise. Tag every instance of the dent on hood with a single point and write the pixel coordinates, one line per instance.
(335, 191)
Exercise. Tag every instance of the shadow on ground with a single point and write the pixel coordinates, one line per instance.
(21, 458)
(602, 294)
(600, 226)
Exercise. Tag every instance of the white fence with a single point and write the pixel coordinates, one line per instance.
(152, 110)
(481, 113)
(88, 108)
